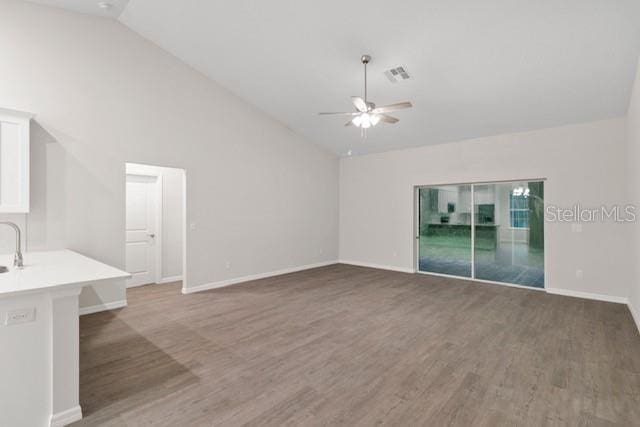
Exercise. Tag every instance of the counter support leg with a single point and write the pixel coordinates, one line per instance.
(65, 357)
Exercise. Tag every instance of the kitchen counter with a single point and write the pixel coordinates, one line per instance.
(39, 336)
(445, 234)
(446, 224)
(53, 270)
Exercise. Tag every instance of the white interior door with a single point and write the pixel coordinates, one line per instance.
(142, 208)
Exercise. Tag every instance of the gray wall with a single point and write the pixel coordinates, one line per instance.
(172, 223)
(262, 198)
(582, 164)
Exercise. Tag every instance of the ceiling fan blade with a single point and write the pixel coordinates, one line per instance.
(392, 107)
(349, 123)
(388, 119)
(359, 104)
(338, 114)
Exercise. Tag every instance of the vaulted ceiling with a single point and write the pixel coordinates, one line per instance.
(478, 67)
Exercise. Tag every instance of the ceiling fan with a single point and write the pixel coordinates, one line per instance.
(367, 114)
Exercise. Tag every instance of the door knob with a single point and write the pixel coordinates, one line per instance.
(152, 235)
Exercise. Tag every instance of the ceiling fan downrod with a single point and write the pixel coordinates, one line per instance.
(365, 60)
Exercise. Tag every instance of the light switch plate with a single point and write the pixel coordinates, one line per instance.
(22, 315)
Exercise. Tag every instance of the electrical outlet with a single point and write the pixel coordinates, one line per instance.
(23, 315)
(228, 265)
(192, 226)
(579, 274)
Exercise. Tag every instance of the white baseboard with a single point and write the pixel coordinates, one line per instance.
(162, 281)
(378, 266)
(237, 280)
(102, 307)
(587, 295)
(137, 285)
(170, 279)
(635, 314)
(67, 417)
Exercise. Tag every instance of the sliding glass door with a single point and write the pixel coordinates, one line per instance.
(509, 233)
(492, 232)
(445, 230)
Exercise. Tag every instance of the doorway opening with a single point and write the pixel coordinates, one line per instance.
(155, 225)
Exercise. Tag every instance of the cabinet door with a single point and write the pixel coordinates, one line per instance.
(14, 162)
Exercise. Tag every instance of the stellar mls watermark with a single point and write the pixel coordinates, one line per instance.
(578, 213)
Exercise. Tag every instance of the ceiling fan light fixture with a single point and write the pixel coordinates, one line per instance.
(366, 120)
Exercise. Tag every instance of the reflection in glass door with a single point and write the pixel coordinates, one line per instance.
(491, 232)
(444, 239)
(509, 233)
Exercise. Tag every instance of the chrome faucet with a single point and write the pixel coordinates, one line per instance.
(17, 259)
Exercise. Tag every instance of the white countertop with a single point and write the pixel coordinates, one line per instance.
(46, 271)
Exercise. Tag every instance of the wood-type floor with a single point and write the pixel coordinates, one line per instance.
(345, 345)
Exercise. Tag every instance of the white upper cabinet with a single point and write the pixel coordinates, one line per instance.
(14, 161)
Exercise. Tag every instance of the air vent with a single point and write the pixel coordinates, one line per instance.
(397, 74)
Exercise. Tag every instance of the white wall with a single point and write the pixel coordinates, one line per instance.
(633, 157)
(172, 222)
(582, 164)
(261, 197)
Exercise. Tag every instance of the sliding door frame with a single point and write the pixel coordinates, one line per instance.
(416, 233)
